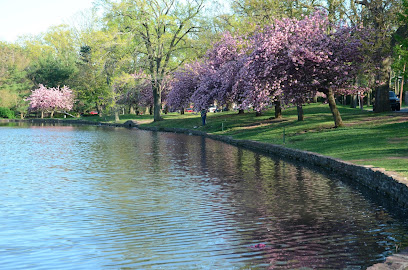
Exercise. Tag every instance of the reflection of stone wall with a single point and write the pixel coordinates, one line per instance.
(377, 179)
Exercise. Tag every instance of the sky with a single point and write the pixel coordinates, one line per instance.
(32, 17)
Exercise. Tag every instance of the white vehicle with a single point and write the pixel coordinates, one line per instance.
(212, 108)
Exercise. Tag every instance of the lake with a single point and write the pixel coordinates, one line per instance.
(88, 197)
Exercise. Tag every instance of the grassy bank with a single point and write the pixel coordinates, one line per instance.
(368, 138)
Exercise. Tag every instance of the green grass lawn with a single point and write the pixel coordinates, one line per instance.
(368, 138)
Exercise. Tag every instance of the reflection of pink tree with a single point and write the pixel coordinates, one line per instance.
(51, 99)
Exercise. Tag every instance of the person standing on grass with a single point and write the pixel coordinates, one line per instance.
(203, 115)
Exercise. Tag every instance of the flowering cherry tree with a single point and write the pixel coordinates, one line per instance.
(289, 61)
(327, 62)
(126, 93)
(51, 99)
(134, 90)
(224, 61)
(185, 82)
(292, 59)
(143, 85)
(142, 93)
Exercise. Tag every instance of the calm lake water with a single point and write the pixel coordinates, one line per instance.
(115, 198)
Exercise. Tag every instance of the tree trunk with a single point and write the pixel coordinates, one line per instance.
(300, 112)
(42, 114)
(156, 103)
(353, 103)
(258, 113)
(369, 98)
(382, 98)
(402, 85)
(406, 98)
(278, 109)
(116, 115)
(182, 111)
(338, 122)
(382, 102)
(52, 114)
(241, 111)
(132, 110)
(361, 100)
(99, 109)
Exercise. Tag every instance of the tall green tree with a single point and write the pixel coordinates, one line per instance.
(400, 43)
(264, 12)
(89, 82)
(160, 30)
(54, 56)
(381, 16)
(101, 58)
(50, 71)
(14, 84)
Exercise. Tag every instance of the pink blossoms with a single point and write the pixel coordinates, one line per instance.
(51, 99)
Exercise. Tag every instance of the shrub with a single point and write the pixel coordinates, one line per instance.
(6, 113)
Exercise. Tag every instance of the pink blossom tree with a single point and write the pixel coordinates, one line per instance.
(323, 61)
(141, 93)
(146, 96)
(166, 88)
(134, 90)
(186, 80)
(143, 85)
(51, 99)
(223, 62)
(292, 59)
(126, 92)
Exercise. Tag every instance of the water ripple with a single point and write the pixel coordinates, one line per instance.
(107, 198)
